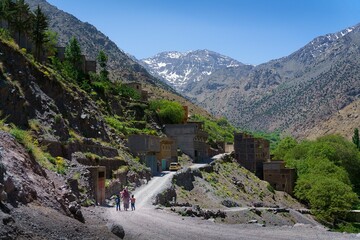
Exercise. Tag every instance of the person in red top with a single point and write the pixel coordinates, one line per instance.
(125, 196)
(132, 200)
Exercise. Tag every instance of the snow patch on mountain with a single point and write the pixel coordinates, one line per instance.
(181, 69)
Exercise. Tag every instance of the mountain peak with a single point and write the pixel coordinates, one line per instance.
(183, 68)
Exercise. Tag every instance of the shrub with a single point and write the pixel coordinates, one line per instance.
(169, 112)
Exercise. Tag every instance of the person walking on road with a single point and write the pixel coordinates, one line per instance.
(125, 196)
(117, 201)
(132, 200)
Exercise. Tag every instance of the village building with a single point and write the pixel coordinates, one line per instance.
(87, 66)
(190, 138)
(145, 147)
(138, 88)
(280, 177)
(167, 154)
(251, 152)
(97, 182)
(157, 153)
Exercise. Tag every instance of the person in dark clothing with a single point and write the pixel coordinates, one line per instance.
(117, 201)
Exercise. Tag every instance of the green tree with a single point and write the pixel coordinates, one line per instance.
(283, 147)
(51, 43)
(330, 199)
(40, 25)
(169, 112)
(356, 138)
(73, 60)
(102, 60)
(6, 12)
(21, 20)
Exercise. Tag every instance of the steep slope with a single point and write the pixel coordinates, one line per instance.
(343, 122)
(120, 65)
(293, 94)
(181, 70)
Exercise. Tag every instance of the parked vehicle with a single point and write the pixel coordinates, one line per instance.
(174, 166)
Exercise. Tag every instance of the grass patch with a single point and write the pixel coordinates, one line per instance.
(348, 227)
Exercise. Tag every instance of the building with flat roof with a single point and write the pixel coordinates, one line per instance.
(190, 138)
(280, 177)
(251, 152)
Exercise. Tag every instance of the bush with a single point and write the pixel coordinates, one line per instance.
(218, 130)
(169, 112)
(327, 170)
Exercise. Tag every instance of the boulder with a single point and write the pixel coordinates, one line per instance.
(117, 230)
(75, 210)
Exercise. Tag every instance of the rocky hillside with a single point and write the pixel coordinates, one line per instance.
(181, 70)
(295, 93)
(121, 66)
(343, 122)
(53, 118)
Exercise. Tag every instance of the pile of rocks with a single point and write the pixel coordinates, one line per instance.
(196, 211)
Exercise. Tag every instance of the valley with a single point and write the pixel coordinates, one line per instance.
(264, 152)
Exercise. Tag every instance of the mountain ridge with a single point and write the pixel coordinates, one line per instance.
(91, 40)
(293, 93)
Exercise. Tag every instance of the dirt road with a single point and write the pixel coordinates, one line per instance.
(150, 223)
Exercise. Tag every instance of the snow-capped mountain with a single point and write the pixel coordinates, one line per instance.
(181, 69)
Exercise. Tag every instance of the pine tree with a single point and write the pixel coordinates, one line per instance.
(356, 139)
(6, 12)
(21, 20)
(102, 60)
(73, 60)
(40, 25)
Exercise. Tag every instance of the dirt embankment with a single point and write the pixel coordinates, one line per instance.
(36, 204)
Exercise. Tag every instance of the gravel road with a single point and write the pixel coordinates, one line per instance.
(150, 223)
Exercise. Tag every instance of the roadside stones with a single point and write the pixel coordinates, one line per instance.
(228, 203)
(75, 210)
(196, 211)
(117, 230)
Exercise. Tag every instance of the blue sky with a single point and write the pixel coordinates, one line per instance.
(250, 31)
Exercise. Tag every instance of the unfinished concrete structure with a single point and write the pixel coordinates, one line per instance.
(138, 88)
(190, 138)
(280, 177)
(87, 66)
(167, 154)
(145, 147)
(157, 153)
(251, 152)
(98, 174)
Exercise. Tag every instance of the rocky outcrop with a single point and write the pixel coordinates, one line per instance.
(31, 92)
(186, 177)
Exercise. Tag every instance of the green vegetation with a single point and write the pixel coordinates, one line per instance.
(71, 67)
(219, 130)
(27, 139)
(348, 227)
(327, 174)
(128, 127)
(273, 137)
(39, 27)
(356, 138)
(169, 112)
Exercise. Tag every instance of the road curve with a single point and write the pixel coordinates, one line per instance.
(148, 223)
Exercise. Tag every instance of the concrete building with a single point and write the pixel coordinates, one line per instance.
(98, 174)
(146, 147)
(167, 154)
(138, 87)
(157, 153)
(87, 66)
(190, 138)
(251, 152)
(280, 177)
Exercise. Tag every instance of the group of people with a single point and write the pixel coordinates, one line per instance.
(125, 196)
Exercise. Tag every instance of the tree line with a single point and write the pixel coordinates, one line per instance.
(327, 170)
(25, 25)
